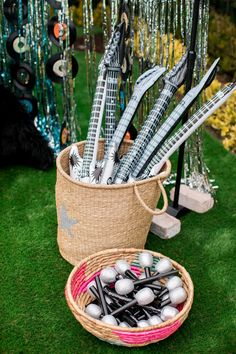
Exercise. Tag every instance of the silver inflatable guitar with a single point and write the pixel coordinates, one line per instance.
(171, 122)
(173, 143)
(143, 83)
(172, 81)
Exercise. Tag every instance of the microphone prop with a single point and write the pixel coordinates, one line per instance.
(171, 284)
(143, 297)
(122, 267)
(146, 261)
(176, 297)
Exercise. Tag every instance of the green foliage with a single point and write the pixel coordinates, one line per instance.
(222, 41)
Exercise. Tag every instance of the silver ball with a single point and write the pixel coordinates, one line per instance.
(124, 324)
(121, 266)
(177, 296)
(164, 265)
(144, 296)
(124, 286)
(154, 320)
(142, 324)
(93, 310)
(109, 319)
(173, 283)
(168, 312)
(145, 259)
(108, 275)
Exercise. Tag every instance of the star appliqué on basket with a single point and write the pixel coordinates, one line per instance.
(66, 222)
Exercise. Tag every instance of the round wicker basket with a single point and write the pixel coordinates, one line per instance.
(77, 298)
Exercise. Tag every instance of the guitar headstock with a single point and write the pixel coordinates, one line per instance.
(177, 75)
(112, 54)
(148, 78)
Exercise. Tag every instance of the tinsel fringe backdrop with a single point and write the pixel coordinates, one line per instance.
(36, 46)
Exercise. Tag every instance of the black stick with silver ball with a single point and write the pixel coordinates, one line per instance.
(146, 262)
(114, 295)
(143, 297)
(108, 275)
(93, 310)
(176, 297)
(124, 286)
(171, 284)
(164, 265)
(123, 267)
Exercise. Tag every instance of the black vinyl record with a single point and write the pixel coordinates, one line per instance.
(55, 68)
(56, 4)
(23, 76)
(16, 45)
(11, 10)
(54, 29)
(29, 103)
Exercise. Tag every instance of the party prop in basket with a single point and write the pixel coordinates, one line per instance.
(110, 319)
(94, 217)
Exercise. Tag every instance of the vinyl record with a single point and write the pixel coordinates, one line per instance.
(55, 68)
(11, 10)
(56, 4)
(16, 45)
(29, 103)
(22, 76)
(54, 29)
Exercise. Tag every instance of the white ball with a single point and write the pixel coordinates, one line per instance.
(177, 295)
(109, 319)
(145, 259)
(121, 266)
(124, 324)
(108, 275)
(142, 324)
(168, 312)
(163, 266)
(124, 286)
(93, 310)
(154, 320)
(144, 296)
(173, 283)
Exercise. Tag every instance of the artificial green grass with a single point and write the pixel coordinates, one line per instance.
(34, 315)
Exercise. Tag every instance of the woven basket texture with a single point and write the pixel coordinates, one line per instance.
(77, 298)
(94, 217)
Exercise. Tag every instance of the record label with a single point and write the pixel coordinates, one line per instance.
(16, 45)
(56, 68)
(23, 76)
(58, 31)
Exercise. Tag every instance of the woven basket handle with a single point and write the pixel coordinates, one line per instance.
(149, 210)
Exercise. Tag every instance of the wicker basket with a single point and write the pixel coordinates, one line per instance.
(77, 298)
(92, 217)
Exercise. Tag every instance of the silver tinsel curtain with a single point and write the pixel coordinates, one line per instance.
(35, 50)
